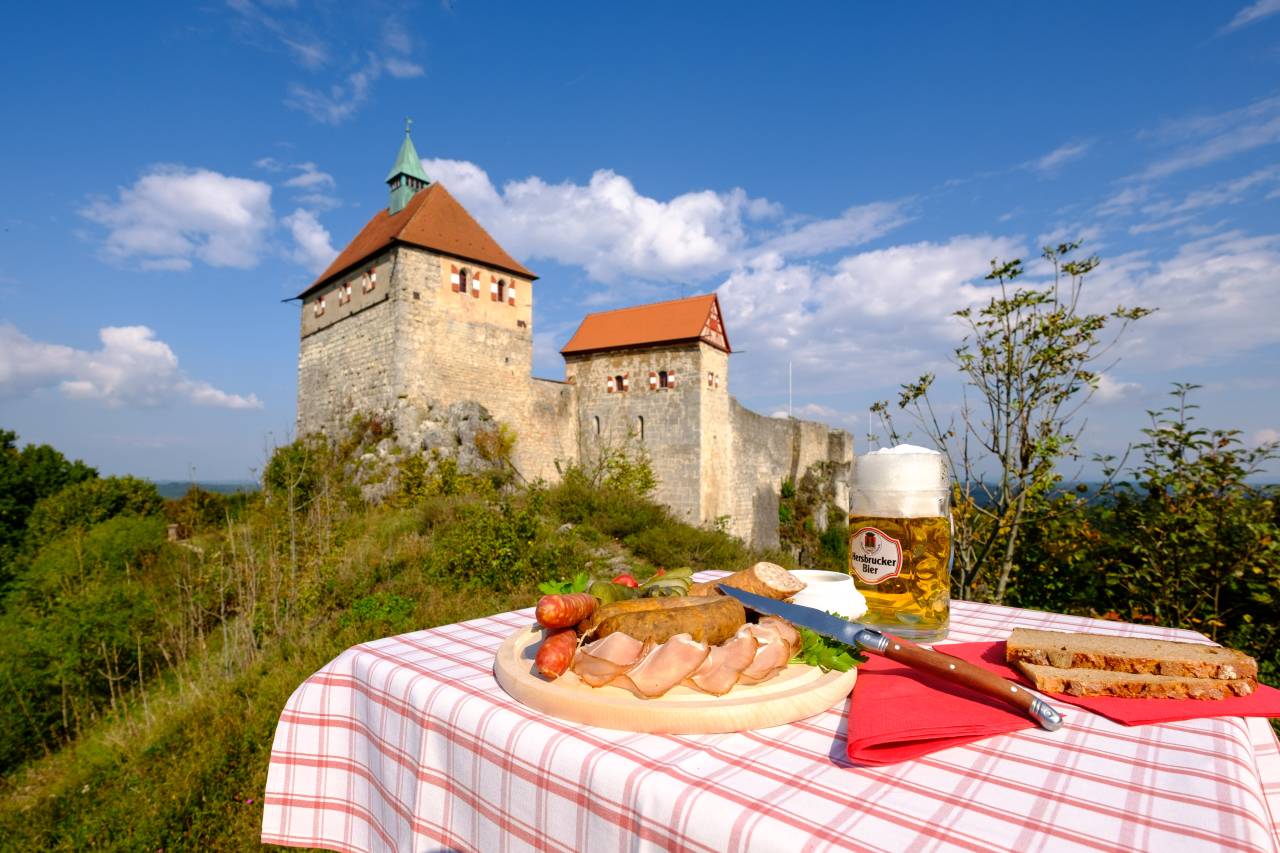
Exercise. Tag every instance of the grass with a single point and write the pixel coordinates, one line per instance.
(182, 764)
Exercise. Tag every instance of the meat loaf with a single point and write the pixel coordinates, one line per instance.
(1128, 654)
(1132, 685)
(706, 619)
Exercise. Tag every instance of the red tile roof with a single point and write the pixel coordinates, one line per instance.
(692, 319)
(432, 219)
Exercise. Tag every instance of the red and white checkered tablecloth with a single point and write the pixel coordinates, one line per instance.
(409, 744)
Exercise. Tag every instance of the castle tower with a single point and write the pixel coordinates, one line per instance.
(422, 306)
(658, 375)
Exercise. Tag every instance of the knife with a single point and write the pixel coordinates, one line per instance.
(902, 651)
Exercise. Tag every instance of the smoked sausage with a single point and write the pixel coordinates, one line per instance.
(710, 620)
(562, 611)
(556, 652)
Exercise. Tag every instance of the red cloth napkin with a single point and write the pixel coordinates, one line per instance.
(898, 713)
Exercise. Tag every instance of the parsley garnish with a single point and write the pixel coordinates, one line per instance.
(579, 583)
(817, 650)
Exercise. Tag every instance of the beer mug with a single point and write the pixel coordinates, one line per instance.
(900, 541)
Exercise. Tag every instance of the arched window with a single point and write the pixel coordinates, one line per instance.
(640, 426)
(617, 383)
(662, 379)
(597, 420)
(502, 290)
(464, 275)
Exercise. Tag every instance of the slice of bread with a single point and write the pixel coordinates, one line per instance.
(1131, 685)
(1128, 654)
(767, 579)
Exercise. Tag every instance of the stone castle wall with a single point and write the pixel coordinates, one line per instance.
(767, 451)
(667, 422)
(402, 336)
(547, 441)
(346, 356)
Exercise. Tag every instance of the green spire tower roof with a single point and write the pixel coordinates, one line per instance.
(407, 175)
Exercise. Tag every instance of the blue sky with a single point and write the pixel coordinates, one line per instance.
(842, 173)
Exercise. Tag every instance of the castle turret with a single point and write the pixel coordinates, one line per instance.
(407, 175)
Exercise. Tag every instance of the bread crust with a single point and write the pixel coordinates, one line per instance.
(1129, 685)
(1066, 651)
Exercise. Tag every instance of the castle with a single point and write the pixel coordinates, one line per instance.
(424, 309)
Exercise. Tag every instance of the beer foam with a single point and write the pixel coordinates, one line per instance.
(899, 482)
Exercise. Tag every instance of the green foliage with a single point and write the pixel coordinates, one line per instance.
(578, 583)
(26, 477)
(800, 507)
(421, 477)
(76, 631)
(1029, 361)
(826, 654)
(496, 445)
(294, 471)
(201, 509)
(672, 545)
(83, 504)
(1185, 541)
(384, 612)
(614, 512)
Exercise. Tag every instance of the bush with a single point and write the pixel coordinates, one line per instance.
(86, 503)
(673, 545)
(26, 477)
(378, 615)
(80, 629)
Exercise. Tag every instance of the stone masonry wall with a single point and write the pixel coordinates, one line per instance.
(453, 346)
(767, 451)
(547, 442)
(346, 368)
(671, 417)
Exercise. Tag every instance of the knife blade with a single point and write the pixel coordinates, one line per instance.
(905, 652)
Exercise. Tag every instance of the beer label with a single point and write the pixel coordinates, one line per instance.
(874, 556)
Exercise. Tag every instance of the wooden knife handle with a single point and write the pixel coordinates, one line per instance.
(961, 672)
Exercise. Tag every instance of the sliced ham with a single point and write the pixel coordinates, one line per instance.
(665, 666)
(608, 658)
(725, 663)
(772, 655)
(785, 630)
(754, 654)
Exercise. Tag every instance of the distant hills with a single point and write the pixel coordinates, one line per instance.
(178, 488)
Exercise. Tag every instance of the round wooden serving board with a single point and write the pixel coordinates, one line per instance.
(795, 693)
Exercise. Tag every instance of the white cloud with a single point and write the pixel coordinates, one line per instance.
(1224, 193)
(1111, 390)
(1266, 436)
(1057, 158)
(1215, 297)
(309, 177)
(173, 215)
(612, 230)
(843, 326)
(1251, 14)
(312, 246)
(1208, 139)
(340, 101)
(132, 367)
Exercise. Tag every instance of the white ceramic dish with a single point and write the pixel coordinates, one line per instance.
(831, 592)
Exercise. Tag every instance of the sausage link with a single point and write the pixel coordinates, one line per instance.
(561, 611)
(556, 652)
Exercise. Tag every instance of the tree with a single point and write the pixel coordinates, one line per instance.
(27, 476)
(1029, 363)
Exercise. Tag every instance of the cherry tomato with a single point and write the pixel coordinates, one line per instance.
(625, 579)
